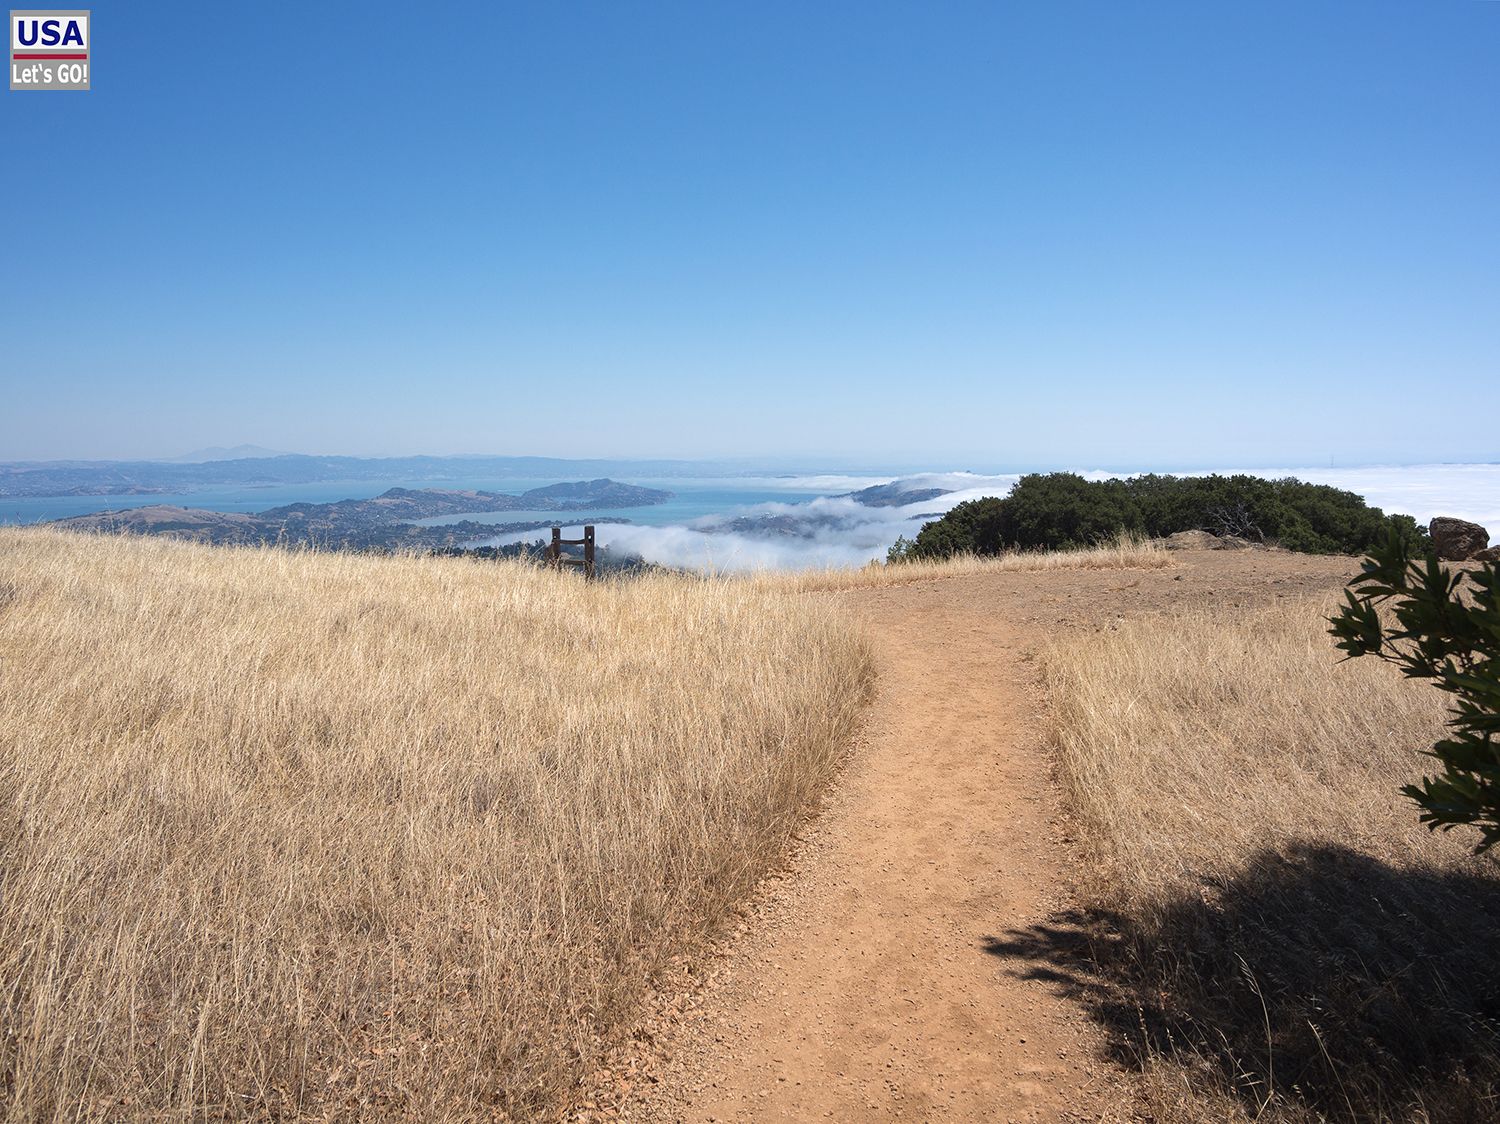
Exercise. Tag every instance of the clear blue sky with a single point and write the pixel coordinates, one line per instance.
(966, 235)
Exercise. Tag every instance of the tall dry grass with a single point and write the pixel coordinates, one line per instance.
(289, 835)
(1275, 936)
(1123, 553)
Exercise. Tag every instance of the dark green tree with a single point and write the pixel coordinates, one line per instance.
(1057, 510)
(972, 527)
(1444, 625)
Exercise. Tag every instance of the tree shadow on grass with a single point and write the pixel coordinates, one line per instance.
(1319, 982)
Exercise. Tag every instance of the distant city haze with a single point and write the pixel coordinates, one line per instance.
(978, 235)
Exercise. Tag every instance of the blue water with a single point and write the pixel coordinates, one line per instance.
(692, 498)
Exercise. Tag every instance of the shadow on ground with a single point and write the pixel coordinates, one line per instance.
(1319, 983)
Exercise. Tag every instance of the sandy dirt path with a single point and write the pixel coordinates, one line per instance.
(868, 994)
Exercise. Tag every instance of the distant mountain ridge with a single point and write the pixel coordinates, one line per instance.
(219, 453)
(116, 478)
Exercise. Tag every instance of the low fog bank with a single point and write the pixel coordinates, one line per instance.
(1468, 491)
(838, 530)
(825, 531)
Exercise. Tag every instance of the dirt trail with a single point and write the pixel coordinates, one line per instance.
(875, 997)
(863, 989)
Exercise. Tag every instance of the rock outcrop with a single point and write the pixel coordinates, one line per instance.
(1206, 540)
(1457, 540)
(1191, 540)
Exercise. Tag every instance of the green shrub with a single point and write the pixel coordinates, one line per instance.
(899, 551)
(970, 528)
(1436, 629)
(1060, 510)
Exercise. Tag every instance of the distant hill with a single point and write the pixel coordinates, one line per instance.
(406, 504)
(387, 522)
(894, 494)
(165, 519)
(219, 453)
(112, 478)
(592, 493)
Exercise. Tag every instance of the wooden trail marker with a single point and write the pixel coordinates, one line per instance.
(557, 559)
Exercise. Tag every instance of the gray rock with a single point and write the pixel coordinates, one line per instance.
(1457, 540)
(1193, 540)
(1490, 554)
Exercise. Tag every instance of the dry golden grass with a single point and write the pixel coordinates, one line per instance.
(1125, 553)
(1275, 936)
(1190, 740)
(324, 835)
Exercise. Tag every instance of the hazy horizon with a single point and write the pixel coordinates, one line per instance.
(874, 463)
(992, 459)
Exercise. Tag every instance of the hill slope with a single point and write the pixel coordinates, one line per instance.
(332, 835)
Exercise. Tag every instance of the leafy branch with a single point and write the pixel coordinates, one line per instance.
(1442, 625)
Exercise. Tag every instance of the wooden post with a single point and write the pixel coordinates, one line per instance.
(557, 559)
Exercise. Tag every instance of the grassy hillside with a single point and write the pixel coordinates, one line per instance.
(301, 834)
(1274, 936)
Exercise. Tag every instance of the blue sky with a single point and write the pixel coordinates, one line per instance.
(987, 236)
